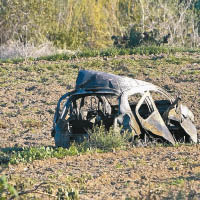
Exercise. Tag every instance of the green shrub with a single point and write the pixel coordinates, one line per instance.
(40, 153)
(99, 140)
(103, 140)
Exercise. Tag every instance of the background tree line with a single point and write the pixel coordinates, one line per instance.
(75, 24)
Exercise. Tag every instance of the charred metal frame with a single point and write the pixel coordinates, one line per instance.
(174, 124)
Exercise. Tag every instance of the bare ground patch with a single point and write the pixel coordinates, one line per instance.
(29, 92)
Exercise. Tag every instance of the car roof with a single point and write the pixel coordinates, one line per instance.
(96, 81)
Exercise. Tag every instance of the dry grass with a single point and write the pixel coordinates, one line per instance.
(16, 49)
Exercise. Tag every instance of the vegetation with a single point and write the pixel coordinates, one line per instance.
(76, 24)
(25, 155)
(103, 141)
(6, 189)
(100, 141)
(136, 38)
(108, 52)
(37, 170)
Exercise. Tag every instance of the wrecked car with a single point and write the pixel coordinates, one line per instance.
(136, 106)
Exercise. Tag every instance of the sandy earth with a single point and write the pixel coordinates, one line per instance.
(141, 173)
(29, 92)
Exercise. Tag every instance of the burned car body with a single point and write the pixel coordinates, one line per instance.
(136, 106)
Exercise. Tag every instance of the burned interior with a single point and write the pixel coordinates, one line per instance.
(135, 106)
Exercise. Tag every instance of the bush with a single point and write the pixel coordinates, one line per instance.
(81, 24)
(103, 140)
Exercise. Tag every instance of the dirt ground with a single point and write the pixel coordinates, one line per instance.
(29, 92)
(141, 173)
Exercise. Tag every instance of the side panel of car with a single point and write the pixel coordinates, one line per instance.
(153, 122)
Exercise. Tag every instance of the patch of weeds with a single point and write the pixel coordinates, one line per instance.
(20, 188)
(153, 50)
(67, 193)
(88, 53)
(174, 60)
(120, 65)
(130, 164)
(143, 50)
(31, 123)
(27, 68)
(3, 71)
(110, 52)
(6, 189)
(49, 188)
(19, 104)
(56, 57)
(173, 165)
(18, 60)
(61, 152)
(195, 61)
(39, 153)
(124, 52)
(74, 66)
(12, 61)
(141, 162)
(178, 144)
(51, 68)
(81, 180)
(130, 198)
(30, 154)
(177, 195)
(15, 131)
(105, 140)
(177, 181)
(190, 50)
(190, 72)
(119, 166)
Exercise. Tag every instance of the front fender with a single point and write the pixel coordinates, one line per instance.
(62, 137)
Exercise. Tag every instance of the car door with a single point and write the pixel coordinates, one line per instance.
(150, 118)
